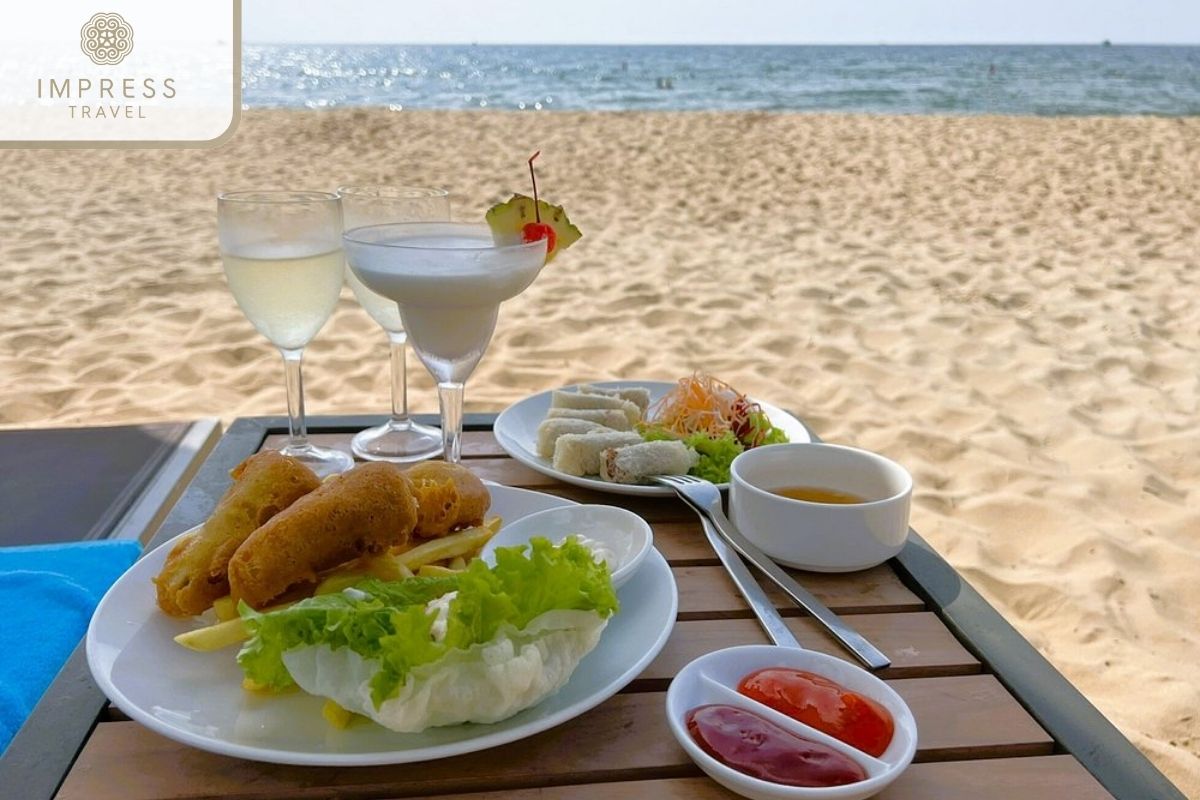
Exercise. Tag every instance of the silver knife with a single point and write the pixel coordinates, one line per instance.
(759, 603)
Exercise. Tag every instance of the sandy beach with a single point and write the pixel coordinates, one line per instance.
(1008, 306)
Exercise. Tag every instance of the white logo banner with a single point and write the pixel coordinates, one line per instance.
(139, 73)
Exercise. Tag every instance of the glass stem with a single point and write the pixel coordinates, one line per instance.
(397, 341)
(297, 433)
(450, 397)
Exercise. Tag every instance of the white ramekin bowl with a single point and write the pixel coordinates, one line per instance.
(822, 537)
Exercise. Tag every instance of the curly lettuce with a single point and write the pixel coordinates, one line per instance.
(759, 431)
(388, 625)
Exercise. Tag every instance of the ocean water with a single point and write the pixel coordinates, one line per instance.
(1039, 80)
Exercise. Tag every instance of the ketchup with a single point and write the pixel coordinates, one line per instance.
(761, 749)
(827, 706)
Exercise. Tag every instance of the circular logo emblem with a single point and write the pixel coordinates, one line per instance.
(106, 38)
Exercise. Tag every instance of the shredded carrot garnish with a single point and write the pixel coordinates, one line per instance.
(703, 404)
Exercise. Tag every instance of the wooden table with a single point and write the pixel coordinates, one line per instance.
(995, 719)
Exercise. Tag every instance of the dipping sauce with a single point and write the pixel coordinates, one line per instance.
(825, 705)
(817, 494)
(761, 749)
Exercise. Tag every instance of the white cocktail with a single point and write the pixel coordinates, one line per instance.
(400, 438)
(448, 280)
(283, 260)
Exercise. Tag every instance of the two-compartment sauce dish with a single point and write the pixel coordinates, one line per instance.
(776, 723)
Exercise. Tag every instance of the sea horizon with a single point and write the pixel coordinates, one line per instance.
(1075, 79)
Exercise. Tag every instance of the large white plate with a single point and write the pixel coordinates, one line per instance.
(516, 431)
(197, 699)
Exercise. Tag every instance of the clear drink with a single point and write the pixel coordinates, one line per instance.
(287, 291)
(379, 308)
(283, 260)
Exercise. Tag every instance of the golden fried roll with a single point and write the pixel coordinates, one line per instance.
(450, 496)
(195, 573)
(360, 512)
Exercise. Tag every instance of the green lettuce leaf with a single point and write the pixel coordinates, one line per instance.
(762, 432)
(387, 621)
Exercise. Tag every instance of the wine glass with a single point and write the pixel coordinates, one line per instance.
(449, 280)
(283, 261)
(400, 439)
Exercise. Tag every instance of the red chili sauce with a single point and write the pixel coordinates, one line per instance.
(827, 706)
(761, 749)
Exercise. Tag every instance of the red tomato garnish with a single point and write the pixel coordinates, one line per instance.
(761, 749)
(534, 231)
(827, 706)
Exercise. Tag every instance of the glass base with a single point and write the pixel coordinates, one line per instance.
(398, 442)
(322, 460)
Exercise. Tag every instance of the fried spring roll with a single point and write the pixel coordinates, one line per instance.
(449, 496)
(580, 401)
(553, 427)
(635, 463)
(579, 453)
(360, 512)
(195, 573)
(613, 418)
(637, 395)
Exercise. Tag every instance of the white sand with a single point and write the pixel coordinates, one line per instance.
(1007, 306)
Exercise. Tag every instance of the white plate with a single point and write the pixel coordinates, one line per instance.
(197, 699)
(516, 431)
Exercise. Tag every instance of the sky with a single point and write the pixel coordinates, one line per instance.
(722, 21)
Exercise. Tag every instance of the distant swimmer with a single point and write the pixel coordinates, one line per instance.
(991, 69)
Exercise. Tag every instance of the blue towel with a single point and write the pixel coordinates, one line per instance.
(47, 596)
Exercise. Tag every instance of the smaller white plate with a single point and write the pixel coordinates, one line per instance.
(516, 431)
(713, 679)
(625, 536)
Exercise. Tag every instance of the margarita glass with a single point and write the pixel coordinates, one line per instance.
(448, 280)
(283, 260)
(400, 439)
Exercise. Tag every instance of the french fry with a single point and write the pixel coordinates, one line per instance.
(384, 567)
(251, 685)
(458, 563)
(223, 634)
(435, 571)
(456, 544)
(215, 637)
(225, 608)
(337, 716)
(337, 582)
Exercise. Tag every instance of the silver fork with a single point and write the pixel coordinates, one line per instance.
(705, 500)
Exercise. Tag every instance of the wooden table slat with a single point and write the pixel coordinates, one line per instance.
(1034, 778)
(918, 644)
(626, 737)
(708, 593)
(683, 543)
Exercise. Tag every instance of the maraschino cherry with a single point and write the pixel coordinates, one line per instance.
(533, 231)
